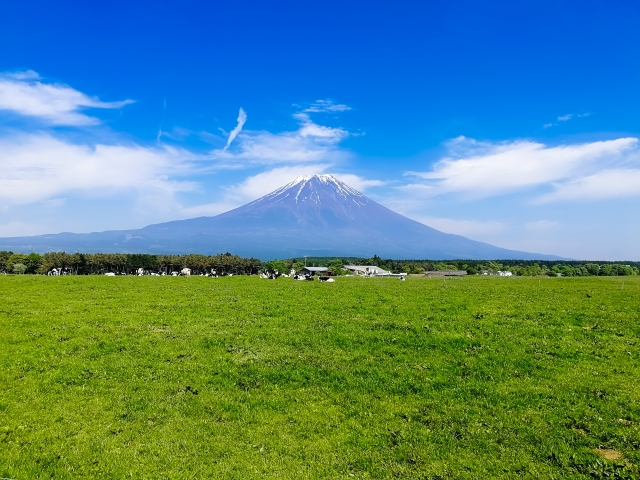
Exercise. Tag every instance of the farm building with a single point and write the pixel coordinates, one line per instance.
(313, 270)
(445, 273)
(366, 270)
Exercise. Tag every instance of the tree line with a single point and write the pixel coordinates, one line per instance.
(121, 263)
(568, 268)
(226, 263)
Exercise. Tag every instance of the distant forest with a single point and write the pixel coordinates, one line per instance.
(226, 263)
(100, 263)
(568, 268)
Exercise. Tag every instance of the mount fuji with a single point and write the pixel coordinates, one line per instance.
(314, 215)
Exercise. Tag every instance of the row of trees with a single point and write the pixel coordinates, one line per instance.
(100, 263)
(224, 264)
(568, 268)
(524, 268)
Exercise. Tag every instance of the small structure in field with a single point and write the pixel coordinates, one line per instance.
(366, 270)
(445, 273)
(313, 271)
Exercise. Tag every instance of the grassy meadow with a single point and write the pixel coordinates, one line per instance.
(171, 377)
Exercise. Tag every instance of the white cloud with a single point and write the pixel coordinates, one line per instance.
(25, 93)
(566, 118)
(40, 167)
(569, 116)
(483, 169)
(601, 185)
(359, 183)
(309, 143)
(325, 106)
(242, 118)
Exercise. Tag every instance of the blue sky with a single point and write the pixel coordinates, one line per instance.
(514, 123)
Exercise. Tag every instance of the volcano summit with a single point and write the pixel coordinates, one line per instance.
(314, 215)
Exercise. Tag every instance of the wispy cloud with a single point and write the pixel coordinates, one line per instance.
(566, 118)
(569, 116)
(242, 118)
(309, 143)
(27, 94)
(483, 169)
(325, 106)
(164, 112)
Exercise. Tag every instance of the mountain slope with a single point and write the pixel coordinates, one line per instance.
(315, 215)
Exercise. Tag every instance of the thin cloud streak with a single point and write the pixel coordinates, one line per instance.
(242, 118)
(325, 106)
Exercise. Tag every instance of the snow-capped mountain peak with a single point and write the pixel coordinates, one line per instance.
(314, 189)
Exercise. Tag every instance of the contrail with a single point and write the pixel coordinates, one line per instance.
(164, 111)
(242, 117)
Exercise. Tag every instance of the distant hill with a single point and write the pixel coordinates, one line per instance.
(315, 215)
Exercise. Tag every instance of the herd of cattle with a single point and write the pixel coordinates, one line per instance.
(292, 274)
(186, 272)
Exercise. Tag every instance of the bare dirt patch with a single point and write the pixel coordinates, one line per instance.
(608, 453)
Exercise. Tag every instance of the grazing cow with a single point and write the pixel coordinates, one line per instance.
(273, 276)
(140, 272)
(175, 274)
(109, 274)
(54, 271)
(402, 278)
(185, 272)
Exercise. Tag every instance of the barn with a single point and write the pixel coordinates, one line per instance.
(366, 270)
(445, 273)
(314, 271)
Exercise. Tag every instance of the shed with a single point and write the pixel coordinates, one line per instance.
(366, 270)
(445, 273)
(313, 270)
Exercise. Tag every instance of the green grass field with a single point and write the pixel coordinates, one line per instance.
(165, 377)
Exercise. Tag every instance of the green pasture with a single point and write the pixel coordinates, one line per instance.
(241, 378)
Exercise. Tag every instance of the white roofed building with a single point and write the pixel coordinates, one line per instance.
(366, 270)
